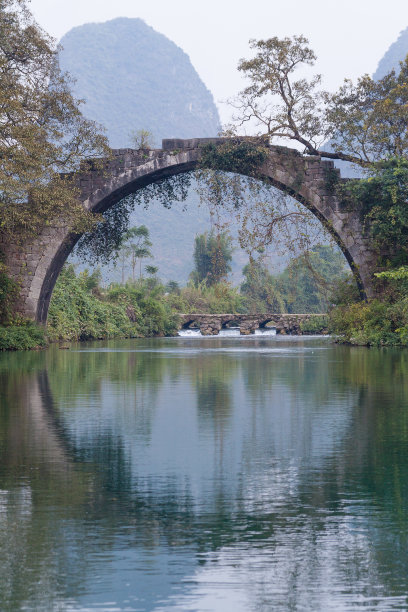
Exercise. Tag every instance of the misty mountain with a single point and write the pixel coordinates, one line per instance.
(396, 53)
(131, 77)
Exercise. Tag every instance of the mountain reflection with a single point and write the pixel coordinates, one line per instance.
(159, 473)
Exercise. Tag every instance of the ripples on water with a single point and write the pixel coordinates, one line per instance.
(255, 473)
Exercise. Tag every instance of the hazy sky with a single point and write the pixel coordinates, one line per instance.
(349, 36)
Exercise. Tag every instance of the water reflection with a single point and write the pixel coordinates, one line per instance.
(204, 474)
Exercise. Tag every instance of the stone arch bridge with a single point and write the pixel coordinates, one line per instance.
(37, 265)
(212, 324)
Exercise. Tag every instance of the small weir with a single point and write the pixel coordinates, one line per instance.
(254, 324)
(265, 331)
(227, 332)
(189, 333)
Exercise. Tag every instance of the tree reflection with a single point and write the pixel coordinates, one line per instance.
(294, 443)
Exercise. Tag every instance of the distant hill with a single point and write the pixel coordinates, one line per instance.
(396, 53)
(131, 77)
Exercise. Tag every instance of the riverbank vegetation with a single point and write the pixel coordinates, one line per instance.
(382, 321)
(383, 199)
(82, 309)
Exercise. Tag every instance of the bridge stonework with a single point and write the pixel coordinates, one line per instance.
(37, 265)
(212, 324)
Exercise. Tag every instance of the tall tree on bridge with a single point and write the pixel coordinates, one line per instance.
(366, 121)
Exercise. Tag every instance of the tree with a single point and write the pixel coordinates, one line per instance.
(308, 281)
(283, 107)
(260, 288)
(142, 139)
(173, 287)
(135, 246)
(212, 258)
(43, 135)
(383, 199)
(367, 121)
(151, 270)
(303, 286)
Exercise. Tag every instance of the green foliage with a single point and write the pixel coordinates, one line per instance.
(307, 281)
(315, 325)
(377, 323)
(43, 135)
(229, 171)
(104, 242)
(173, 287)
(82, 310)
(345, 292)
(260, 290)
(151, 270)
(382, 200)
(303, 287)
(368, 119)
(135, 246)
(212, 258)
(142, 139)
(8, 295)
(22, 337)
(76, 313)
(217, 298)
(239, 155)
(398, 274)
(145, 303)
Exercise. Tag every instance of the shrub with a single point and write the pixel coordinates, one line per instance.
(315, 325)
(20, 338)
(219, 298)
(77, 311)
(371, 324)
(8, 295)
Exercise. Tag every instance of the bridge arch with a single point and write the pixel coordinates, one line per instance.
(37, 267)
(267, 321)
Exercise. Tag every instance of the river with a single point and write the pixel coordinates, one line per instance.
(204, 474)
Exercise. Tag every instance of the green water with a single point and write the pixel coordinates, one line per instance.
(204, 474)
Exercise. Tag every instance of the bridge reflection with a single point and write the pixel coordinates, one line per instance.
(100, 454)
